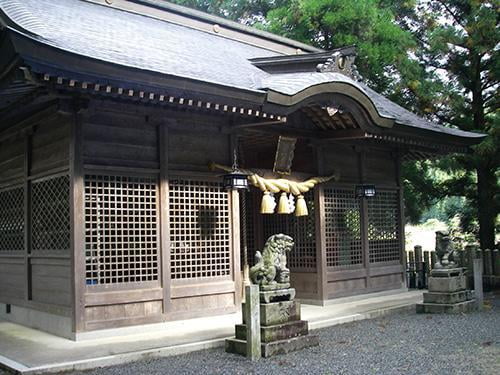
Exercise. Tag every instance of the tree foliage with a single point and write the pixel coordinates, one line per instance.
(438, 58)
(459, 43)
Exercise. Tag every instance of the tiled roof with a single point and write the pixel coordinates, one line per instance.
(151, 44)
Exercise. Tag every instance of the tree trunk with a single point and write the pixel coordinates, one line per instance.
(487, 209)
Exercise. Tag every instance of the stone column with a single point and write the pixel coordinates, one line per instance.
(252, 314)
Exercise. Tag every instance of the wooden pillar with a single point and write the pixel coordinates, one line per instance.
(27, 217)
(319, 203)
(164, 220)
(77, 223)
(235, 244)
(364, 219)
(234, 202)
(402, 242)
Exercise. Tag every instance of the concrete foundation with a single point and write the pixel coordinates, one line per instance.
(56, 324)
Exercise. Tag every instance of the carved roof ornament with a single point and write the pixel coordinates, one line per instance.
(340, 63)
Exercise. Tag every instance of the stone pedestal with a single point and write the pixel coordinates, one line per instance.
(282, 330)
(447, 293)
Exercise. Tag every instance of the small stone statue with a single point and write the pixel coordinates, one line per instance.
(270, 271)
(444, 251)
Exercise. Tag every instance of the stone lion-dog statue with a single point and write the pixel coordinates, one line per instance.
(270, 271)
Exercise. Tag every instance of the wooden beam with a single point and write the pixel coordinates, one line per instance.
(262, 123)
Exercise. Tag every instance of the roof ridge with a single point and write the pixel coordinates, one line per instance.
(208, 19)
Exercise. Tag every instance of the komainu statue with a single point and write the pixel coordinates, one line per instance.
(445, 251)
(270, 271)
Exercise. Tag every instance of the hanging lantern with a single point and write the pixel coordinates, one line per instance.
(283, 205)
(301, 206)
(365, 191)
(268, 203)
(235, 181)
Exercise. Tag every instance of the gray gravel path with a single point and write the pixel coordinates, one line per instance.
(405, 343)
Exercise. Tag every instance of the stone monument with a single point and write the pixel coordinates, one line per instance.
(447, 282)
(282, 330)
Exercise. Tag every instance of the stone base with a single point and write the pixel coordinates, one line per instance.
(447, 284)
(446, 298)
(447, 272)
(444, 308)
(281, 329)
(274, 348)
(278, 295)
(275, 286)
(289, 345)
(278, 312)
(276, 332)
(447, 293)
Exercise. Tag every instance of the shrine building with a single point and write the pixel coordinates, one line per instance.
(111, 113)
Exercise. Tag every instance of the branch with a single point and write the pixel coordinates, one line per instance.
(455, 17)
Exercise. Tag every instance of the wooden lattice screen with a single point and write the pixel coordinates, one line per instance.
(200, 229)
(121, 229)
(50, 214)
(342, 228)
(12, 219)
(302, 230)
(383, 227)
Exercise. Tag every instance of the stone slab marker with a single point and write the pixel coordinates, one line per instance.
(478, 282)
(252, 314)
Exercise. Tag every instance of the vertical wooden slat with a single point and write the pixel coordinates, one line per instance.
(319, 202)
(77, 217)
(235, 244)
(234, 203)
(164, 218)
(27, 218)
(321, 266)
(364, 218)
(401, 223)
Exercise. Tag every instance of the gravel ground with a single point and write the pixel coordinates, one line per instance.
(404, 343)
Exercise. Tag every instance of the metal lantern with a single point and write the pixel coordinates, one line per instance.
(365, 191)
(235, 181)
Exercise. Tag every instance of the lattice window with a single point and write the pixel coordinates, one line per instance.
(301, 229)
(50, 214)
(342, 228)
(121, 229)
(200, 229)
(383, 227)
(12, 219)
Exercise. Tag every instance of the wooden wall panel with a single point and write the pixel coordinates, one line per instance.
(202, 305)
(394, 280)
(342, 288)
(186, 149)
(51, 280)
(120, 140)
(380, 168)
(50, 145)
(11, 159)
(12, 276)
(119, 315)
(343, 160)
(305, 284)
